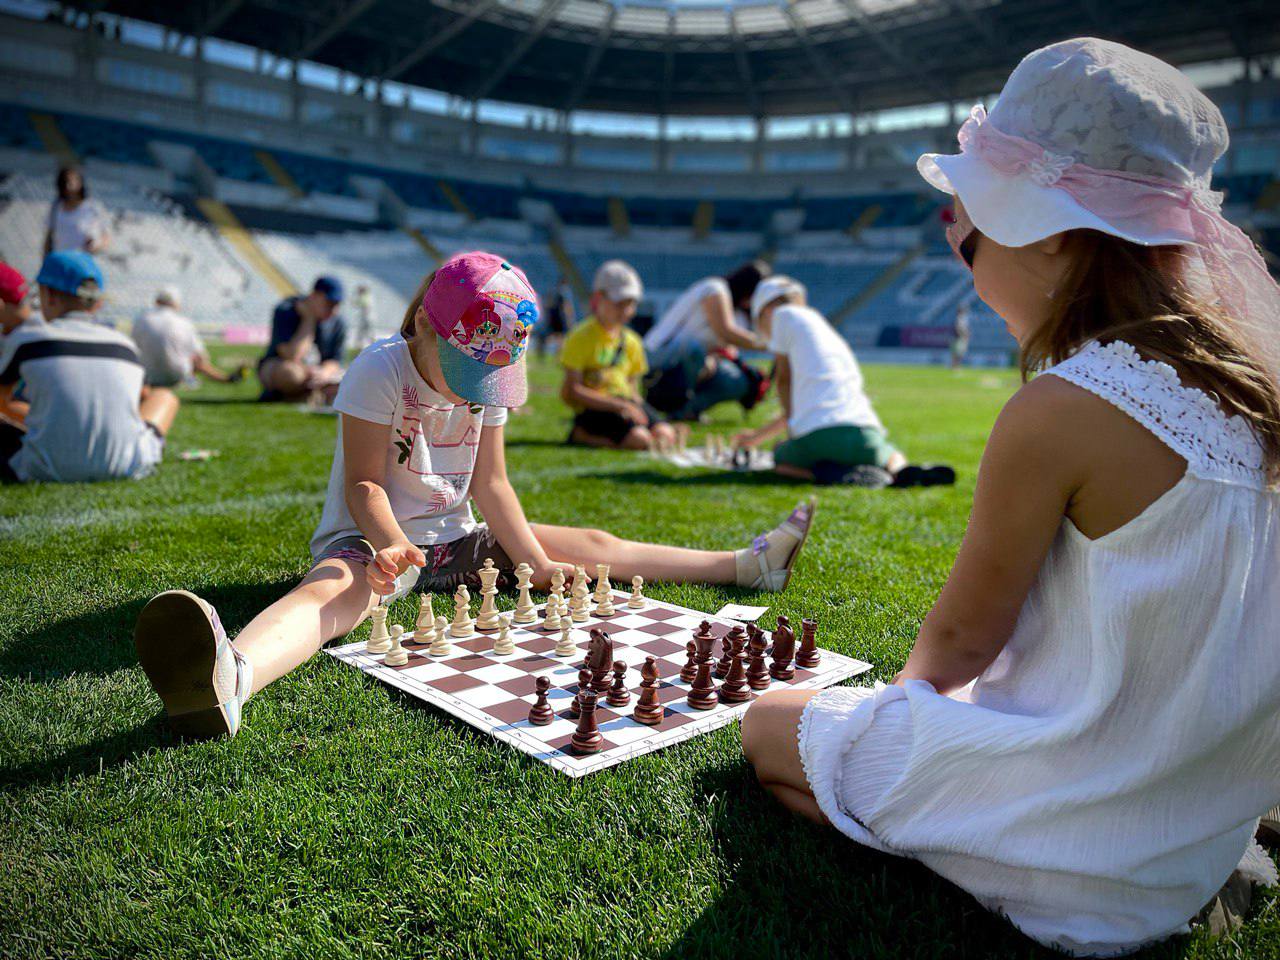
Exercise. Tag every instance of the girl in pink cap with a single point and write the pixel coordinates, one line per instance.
(420, 438)
(1088, 727)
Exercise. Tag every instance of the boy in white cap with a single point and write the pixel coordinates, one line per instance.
(170, 348)
(834, 435)
(603, 362)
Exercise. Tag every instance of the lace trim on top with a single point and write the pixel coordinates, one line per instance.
(1185, 419)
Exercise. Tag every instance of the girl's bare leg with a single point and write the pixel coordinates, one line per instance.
(331, 601)
(770, 729)
(627, 558)
(159, 406)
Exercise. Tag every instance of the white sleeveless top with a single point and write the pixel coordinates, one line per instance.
(1104, 776)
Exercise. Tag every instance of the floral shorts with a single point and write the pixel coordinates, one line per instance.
(448, 564)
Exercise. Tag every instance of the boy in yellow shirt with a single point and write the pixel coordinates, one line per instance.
(603, 362)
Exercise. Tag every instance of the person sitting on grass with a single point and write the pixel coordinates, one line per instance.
(15, 310)
(835, 435)
(308, 344)
(603, 362)
(90, 416)
(1087, 729)
(420, 436)
(170, 348)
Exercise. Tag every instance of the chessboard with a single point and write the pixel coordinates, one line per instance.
(717, 457)
(495, 693)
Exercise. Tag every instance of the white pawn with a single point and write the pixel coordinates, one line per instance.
(637, 593)
(565, 647)
(379, 639)
(551, 615)
(603, 587)
(397, 656)
(440, 645)
(463, 625)
(524, 603)
(504, 646)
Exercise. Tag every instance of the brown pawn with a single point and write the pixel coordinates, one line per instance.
(586, 738)
(757, 672)
(784, 651)
(690, 668)
(540, 714)
(584, 684)
(648, 709)
(702, 694)
(730, 647)
(619, 695)
(808, 656)
(734, 689)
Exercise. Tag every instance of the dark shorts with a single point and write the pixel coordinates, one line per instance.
(448, 564)
(611, 426)
(846, 445)
(10, 443)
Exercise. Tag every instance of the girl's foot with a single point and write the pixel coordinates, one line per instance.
(924, 475)
(767, 563)
(201, 679)
(1269, 827)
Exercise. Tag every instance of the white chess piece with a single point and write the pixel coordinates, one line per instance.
(551, 614)
(605, 607)
(440, 645)
(463, 625)
(603, 587)
(565, 647)
(397, 656)
(637, 592)
(504, 646)
(379, 639)
(487, 618)
(579, 604)
(524, 603)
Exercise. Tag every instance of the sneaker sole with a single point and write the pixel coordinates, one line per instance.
(178, 650)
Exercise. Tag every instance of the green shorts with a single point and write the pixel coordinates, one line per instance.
(850, 446)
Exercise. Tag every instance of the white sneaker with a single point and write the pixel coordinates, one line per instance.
(200, 677)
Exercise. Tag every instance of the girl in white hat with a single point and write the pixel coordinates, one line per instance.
(1088, 727)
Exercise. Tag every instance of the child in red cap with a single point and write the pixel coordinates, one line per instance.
(14, 308)
(421, 435)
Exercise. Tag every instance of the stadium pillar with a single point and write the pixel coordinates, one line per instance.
(757, 147)
(473, 128)
(295, 93)
(662, 142)
(200, 74)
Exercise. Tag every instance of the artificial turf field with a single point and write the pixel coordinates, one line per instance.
(347, 820)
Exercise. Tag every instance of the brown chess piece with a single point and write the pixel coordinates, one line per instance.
(752, 632)
(690, 668)
(648, 709)
(702, 693)
(757, 672)
(540, 714)
(784, 651)
(619, 695)
(734, 689)
(704, 632)
(808, 656)
(599, 659)
(730, 650)
(584, 684)
(586, 738)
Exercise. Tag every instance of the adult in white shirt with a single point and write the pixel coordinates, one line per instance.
(169, 346)
(834, 435)
(693, 348)
(75, 221)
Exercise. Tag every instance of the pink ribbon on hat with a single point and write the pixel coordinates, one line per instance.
(1232, 267)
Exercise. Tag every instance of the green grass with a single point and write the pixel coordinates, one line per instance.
(348, 820)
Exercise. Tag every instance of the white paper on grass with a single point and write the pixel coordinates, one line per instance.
(741, 612)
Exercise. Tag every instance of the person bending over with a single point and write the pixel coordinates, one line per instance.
(834, 433)
(170, 348)
(90, 416)
(420, 436)
(308, 343)
(603, 362)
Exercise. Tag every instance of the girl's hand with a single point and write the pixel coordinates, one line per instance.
(744, 440)
(389, 562)
(542, 573)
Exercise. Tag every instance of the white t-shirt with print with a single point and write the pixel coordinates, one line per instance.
(72, 229)
(826, 382)
(686, 319)
(431, 450)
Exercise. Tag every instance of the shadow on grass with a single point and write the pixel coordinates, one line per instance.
(198, 401)
(90, 758)
(101, 642)
(721, 478)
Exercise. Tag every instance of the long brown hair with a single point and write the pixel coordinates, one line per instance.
(407, 325)
(1117, 290)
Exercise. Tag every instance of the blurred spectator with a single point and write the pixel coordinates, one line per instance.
(170, 348)
(960, 334)
(14, 308)
(75, 221)
(308, 344)
(364, 317)
(561, 313)
(90, 416)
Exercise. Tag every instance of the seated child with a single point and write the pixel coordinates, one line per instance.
(835, 435)
(1088, 727)
(90, 417)
(14, 312)
(603, 362)
(420, 436)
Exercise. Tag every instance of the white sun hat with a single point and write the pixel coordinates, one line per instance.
(1090, 134)
(770, 289)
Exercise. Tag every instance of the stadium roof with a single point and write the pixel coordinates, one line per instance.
(697, 57)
